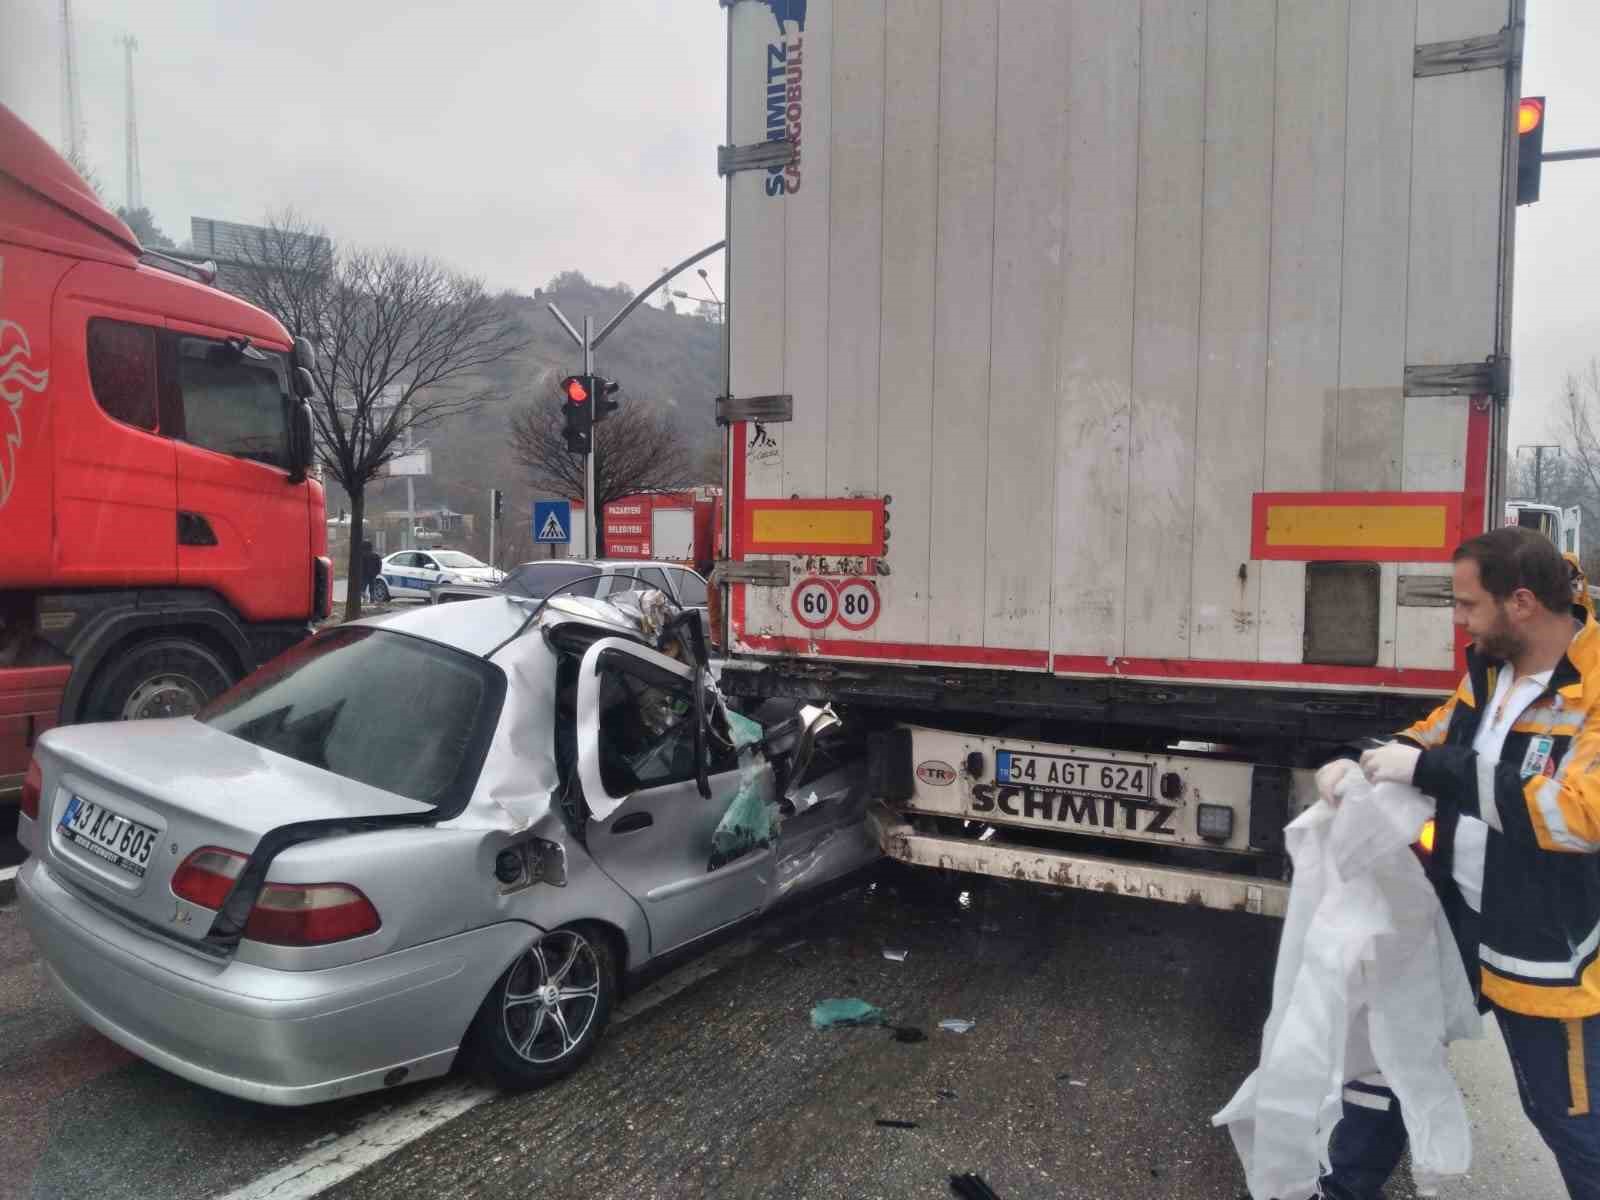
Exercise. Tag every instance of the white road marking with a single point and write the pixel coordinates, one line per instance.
(326, 1162)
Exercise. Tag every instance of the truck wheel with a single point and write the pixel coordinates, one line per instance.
(165, 677)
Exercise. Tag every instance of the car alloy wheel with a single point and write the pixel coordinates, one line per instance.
(543, 1016)
(380, 592)
(551, 997)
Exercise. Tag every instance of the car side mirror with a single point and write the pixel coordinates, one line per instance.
(302, 446)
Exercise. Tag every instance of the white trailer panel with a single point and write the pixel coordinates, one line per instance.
(1103, 325)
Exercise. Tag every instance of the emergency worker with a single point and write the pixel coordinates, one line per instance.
(1512, 761)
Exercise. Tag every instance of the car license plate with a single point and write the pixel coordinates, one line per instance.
(1071, 773)
(122, 842)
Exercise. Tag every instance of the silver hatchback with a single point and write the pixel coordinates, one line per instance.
(456, 828)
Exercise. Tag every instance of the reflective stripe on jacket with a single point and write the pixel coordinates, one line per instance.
(1538, 937)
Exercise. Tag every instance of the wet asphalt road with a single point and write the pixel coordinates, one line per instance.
(1107, 1031)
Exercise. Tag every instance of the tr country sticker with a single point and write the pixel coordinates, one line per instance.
(935, 773)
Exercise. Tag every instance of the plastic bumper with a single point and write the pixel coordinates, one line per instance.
(1208, 889)
(278, 1037)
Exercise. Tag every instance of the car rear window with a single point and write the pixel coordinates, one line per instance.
(538, 582)
(397, 712)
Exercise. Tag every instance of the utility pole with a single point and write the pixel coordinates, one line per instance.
(72, 131)
(589, 340)
(493, 494)
(134, 191)
(1538, 465)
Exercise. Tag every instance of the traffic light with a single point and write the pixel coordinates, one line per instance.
(499, 498)
(577, 413)
(601, 390)
(1530, 147)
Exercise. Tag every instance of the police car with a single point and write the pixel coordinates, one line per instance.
(412, 574)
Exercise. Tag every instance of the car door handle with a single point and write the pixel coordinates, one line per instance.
(632, 823)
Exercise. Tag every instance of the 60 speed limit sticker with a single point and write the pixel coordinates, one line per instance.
(853, 603)
(814, 602)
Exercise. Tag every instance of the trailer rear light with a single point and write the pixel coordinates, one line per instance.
(310, 914)
(1214, 822)
(208, 875)
(32, 787)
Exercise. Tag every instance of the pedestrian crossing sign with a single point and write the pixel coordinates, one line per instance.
(552, 521)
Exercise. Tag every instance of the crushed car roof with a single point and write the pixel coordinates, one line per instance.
(478, 626)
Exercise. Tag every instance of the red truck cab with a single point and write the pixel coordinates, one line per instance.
(160, 535)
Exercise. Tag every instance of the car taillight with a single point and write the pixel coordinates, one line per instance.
(310, 914)
(207, 876)
(32, 786)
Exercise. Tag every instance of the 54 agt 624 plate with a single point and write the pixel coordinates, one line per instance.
(1072, 773)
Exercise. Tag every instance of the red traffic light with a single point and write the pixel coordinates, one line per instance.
(1529, 113)
(572, 388)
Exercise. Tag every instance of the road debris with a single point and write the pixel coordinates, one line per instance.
(831, 1013)
(894, 955)
(889, 1123)
(956, 1024)
(909, 1033)
(972, 1186)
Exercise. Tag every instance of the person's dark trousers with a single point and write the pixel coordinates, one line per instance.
(1367, 1144)
(1557, 1064)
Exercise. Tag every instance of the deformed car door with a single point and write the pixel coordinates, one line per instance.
(675, 851)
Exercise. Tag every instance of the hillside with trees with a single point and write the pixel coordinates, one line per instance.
(666, 362)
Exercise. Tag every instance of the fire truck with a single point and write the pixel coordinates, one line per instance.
(160, 531)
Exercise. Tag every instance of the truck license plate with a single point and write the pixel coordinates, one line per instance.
(1070, 773)
(122, 842)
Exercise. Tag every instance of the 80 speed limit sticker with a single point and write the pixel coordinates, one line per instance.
(852, 603)
(814, 602)
(858, 603)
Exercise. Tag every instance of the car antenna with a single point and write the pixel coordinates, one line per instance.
(539, 608)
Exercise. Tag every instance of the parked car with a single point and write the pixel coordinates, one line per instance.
(450, 831)
(412, 573)
(597, 578)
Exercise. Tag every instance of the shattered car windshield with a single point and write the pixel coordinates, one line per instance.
(396, 712)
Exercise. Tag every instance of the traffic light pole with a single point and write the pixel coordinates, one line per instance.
(492, 524)
(588, 339)
(591, 517)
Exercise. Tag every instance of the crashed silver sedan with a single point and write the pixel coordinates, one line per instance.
(452, 832)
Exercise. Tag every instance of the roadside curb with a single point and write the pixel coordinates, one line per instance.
(8, 884)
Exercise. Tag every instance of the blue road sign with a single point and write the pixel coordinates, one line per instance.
(552, 520)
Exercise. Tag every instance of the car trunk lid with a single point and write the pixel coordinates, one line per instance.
(125, 804)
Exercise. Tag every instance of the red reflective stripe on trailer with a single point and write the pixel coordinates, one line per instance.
(1474, 497)
(849, 648)
(1254, 672)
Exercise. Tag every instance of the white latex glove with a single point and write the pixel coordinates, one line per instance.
(1331, 776)
(1395, 762)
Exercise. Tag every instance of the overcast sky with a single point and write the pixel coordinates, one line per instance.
(519, 138)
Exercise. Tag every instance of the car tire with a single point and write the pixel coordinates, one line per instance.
(164, 677)
(515, 1039)
(380, 591)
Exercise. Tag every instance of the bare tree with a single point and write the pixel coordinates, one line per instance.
(637, 449)
(402, 343)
